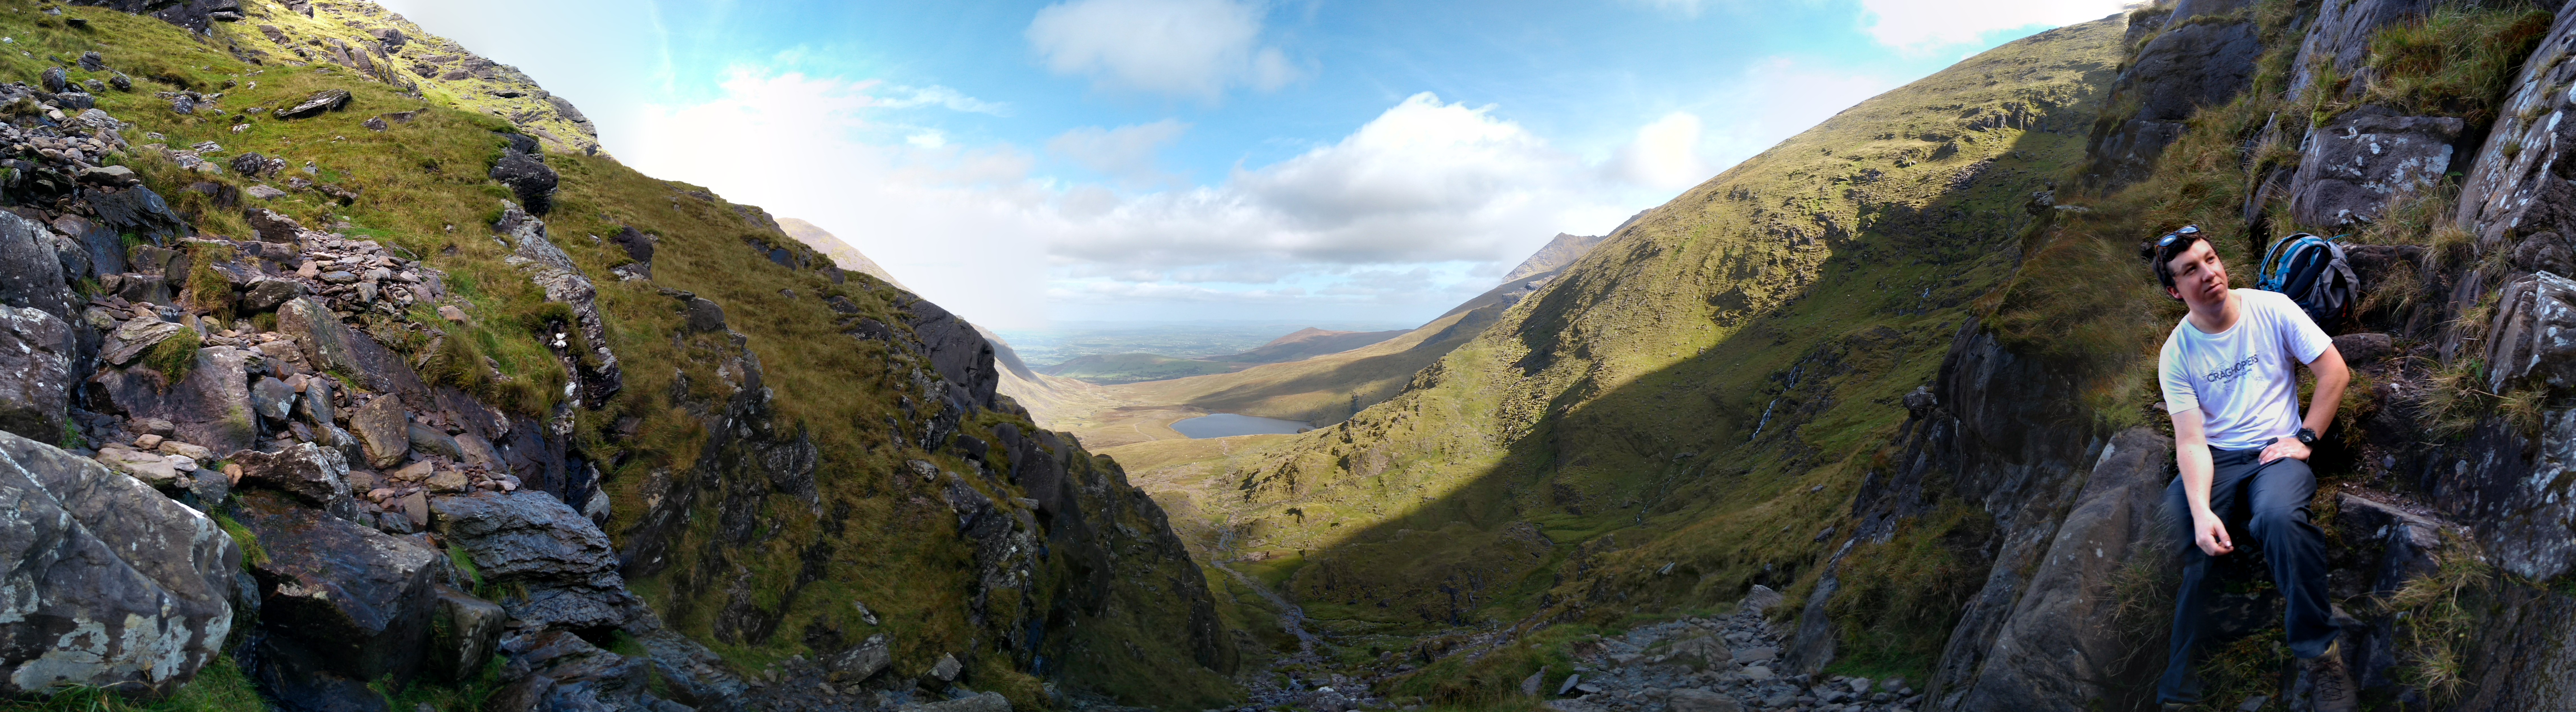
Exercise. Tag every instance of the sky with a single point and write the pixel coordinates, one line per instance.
(1168, 160)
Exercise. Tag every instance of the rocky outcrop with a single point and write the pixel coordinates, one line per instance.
(522, 167)
(110, 583)
(2357, 165)
(2337, 43)
(2184, 68)
(560, 565)
(582, 343)
(2059, 648)
(210, 404)
(196, 15)
(358, 599)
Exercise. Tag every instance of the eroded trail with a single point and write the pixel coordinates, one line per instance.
(1291, 617)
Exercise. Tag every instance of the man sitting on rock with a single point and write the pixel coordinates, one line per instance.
(2243, 451)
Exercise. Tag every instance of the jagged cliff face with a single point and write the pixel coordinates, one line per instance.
(495, 422)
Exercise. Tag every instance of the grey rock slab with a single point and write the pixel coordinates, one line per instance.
(324, 338)
(2355, 167)
(147, 580)
(2051, 650)
(151, 468)
(135, 336)
(267, 294)
(315, 475)
(384, 431)
(36, 351)
(320, 102)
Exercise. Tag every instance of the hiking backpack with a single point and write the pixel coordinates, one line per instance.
(2312, 271)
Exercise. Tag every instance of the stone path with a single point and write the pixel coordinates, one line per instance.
(1707, 665)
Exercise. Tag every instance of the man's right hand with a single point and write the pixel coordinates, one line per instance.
(2208, 531)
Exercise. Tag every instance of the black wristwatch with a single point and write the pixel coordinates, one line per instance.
(2307, 437)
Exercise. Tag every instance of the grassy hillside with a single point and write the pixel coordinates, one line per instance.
(862, 533)
(1112, 369)
(1685, 411)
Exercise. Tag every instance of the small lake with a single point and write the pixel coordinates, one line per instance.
(1228, 424)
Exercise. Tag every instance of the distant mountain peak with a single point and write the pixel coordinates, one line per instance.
(1558, 253)
(841, 251)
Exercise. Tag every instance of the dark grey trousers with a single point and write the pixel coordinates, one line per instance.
(2266, 505)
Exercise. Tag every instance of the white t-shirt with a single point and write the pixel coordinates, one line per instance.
(2243, 380)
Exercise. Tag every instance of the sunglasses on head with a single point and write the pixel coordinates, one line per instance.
(2170, 237)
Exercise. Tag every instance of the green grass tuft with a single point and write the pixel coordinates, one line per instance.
(174, 357)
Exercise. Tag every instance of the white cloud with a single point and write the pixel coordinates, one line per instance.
(1425, 181)
(1126, 152)
(1184, 48)
(1929, 24)
(1665, 154)
(904, 97)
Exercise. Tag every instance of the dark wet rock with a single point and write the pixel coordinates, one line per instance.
(315, 475)
(137, 211)
(522, 167)
(2175, 74)
(104, 249)
(93, 550)
(435, 441)
(2366, 159)
(960, 354)
(320, 102)
(272, 226)
(2364, 349)
(55, 80)
(36, 353)
(297, 679)
(30, 273)
(211, 405)
(464, 630)
(91, 62)
(2040, 662)
(704, 316)
(561, 560)
(359, 598)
